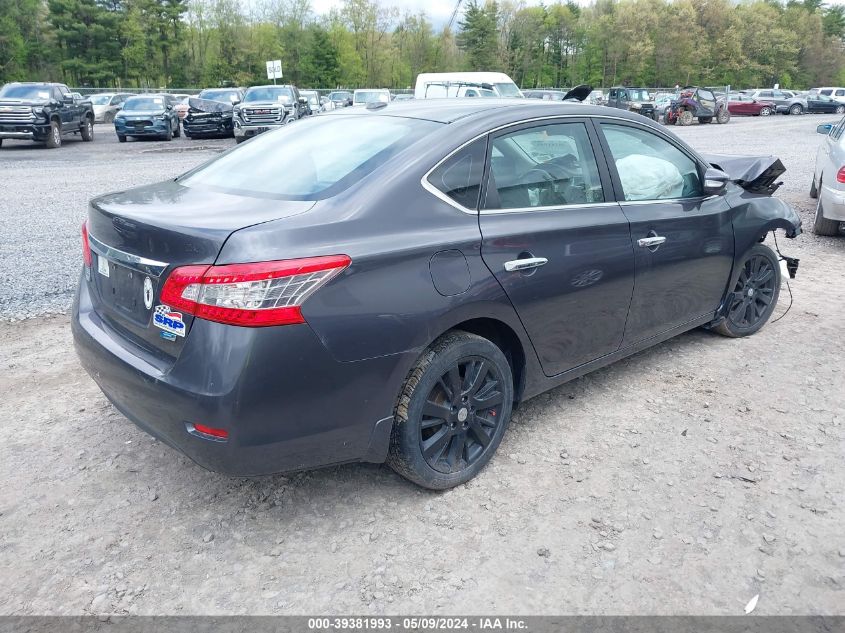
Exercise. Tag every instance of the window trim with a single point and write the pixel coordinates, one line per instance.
(617, 183)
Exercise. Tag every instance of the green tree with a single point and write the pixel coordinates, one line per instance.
(477, 35)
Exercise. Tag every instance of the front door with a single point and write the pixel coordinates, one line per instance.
(683, 240)
(556, 242)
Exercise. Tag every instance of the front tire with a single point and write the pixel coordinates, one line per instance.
(121, 138)
(88, 130)
(54, 137)
(755, 294)
(823, 226)
(452, 413)
(685, 117)
(796, 109)
(723, 116)
(765, 111)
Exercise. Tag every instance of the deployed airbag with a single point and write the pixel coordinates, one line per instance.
(756, 174)
(649, 178)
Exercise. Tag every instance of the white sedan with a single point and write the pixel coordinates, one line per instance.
(829, 180)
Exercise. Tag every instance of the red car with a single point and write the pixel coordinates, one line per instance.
(743, 104)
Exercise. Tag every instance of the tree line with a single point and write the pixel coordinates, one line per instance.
(368, 43)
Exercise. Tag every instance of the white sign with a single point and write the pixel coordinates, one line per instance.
(274, 69)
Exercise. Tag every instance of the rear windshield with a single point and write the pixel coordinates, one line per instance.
(311, 160)
(101, 99)
(144, 103)
(508, 90)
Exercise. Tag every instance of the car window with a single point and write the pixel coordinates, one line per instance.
(826, 92)
(649, 166)
(840, 93)
(459, 177)
(312, 160)
(837, 130)
(543, 166)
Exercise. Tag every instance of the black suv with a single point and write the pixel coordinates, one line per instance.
(634, 99)
(44, 112)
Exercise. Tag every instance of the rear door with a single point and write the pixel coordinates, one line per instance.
(555, 240)
(683, 240)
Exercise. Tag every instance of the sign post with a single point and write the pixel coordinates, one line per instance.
(274, 70)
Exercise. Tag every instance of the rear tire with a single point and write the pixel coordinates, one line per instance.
(823, 226)
(88, 130)
(452, 413)
(723, 116)
(796, 109)
(840, 109)
(54, 138)
(755, 294)
(765, 111)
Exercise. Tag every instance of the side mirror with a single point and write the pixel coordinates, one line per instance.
(825, 129)
(235, 102)
(715, 181)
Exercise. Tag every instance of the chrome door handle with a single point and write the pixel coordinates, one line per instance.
(649, 242)
(525, 264)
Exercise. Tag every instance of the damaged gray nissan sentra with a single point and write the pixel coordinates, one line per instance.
(386, 283)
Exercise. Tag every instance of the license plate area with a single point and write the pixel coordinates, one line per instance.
(122, 289)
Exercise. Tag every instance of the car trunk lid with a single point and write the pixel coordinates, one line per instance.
(139, 236)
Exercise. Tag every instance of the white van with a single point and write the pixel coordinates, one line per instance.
(440, 85)
(837, 94)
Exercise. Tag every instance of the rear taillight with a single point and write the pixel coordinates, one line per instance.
(840, 175)
(259, 294)
(86, 246)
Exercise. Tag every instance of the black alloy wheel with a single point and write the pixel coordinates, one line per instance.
(453, 411)
(460, 415)
(754, 295)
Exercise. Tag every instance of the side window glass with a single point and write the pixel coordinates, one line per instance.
(650, 167)
(460, 176)
(840, 93)
(766, 95)
(545, 166)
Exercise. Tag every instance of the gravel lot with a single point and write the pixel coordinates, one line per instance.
(685, 479)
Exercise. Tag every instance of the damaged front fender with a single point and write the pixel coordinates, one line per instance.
(755, 216)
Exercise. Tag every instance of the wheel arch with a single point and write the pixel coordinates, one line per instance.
(506, 339)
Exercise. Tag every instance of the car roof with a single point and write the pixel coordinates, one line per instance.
(454, 109)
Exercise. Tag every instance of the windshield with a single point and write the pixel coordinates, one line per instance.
(25, 92)
(101, 99)
(637, 94)
(144, 103)
(269, 93)
(508, 90)
(339, 96)
(370, 96)
(311, 160)
(226, 96)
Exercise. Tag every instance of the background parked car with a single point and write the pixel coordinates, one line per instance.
(743, 104)
(107, 104)
(822, 104)
(782, 99)
(829, 180)
(266, 107)
(696, 103)
(636, 100)
(148, 115)
(44, 113)
(313, 98)
(836, 93)
(341, 98)
(232, 96)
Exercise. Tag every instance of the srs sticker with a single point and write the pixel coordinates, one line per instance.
(170, 322)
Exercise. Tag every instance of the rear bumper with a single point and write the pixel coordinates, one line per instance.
(285, 402)
(833, 203)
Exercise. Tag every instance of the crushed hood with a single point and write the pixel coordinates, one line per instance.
(208, 105)
(756, 174)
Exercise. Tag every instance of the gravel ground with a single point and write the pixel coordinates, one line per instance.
(685, 479)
